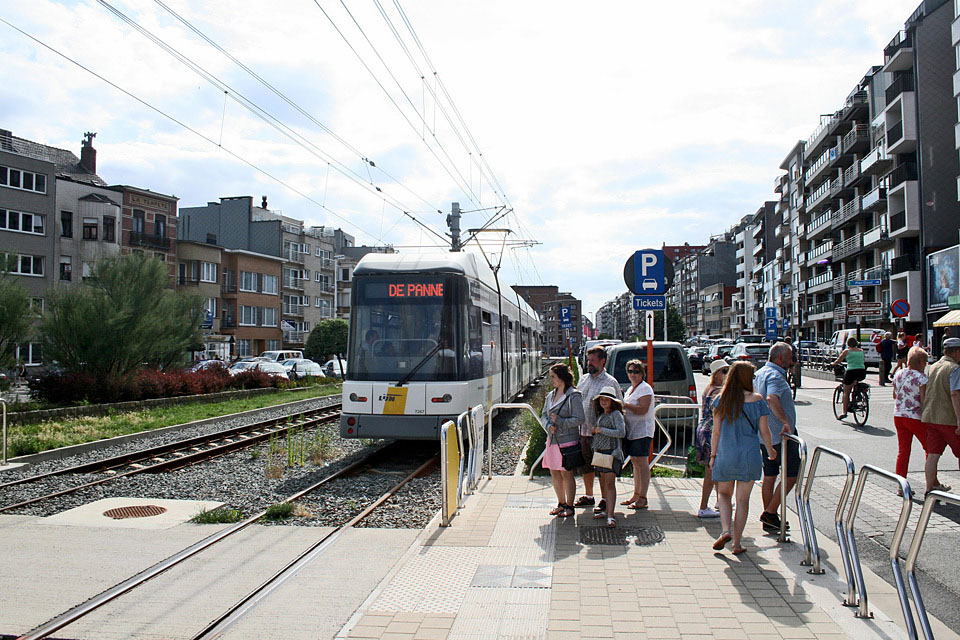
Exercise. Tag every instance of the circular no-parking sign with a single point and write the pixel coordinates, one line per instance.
(900, 308)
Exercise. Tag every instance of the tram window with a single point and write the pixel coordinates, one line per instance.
(485, 317)
(474, 344)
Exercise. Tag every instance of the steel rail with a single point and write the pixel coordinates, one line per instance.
(221, 624)
(816, 569)
(805, 525)
(74, 614)
(145, 454)
(179, 462)
(911, 565)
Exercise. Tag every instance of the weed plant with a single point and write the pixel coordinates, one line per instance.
(220, 515)
(279, 511)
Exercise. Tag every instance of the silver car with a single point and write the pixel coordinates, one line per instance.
(756, 354)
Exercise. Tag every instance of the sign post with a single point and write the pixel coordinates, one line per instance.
(649, 331)
(648, 273)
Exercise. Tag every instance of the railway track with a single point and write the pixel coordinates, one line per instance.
(179, 454)
(234, 613)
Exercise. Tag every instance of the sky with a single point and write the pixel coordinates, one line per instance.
(601, 128)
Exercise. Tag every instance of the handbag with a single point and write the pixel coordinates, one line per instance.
(604, 460)
(573, 457)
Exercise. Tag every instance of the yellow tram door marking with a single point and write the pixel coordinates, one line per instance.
(395, 403)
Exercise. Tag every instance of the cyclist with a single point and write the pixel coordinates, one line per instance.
(856, 370)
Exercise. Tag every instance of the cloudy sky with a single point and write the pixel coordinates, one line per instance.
(606, 127)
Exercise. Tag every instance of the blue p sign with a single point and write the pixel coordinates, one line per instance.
(649, 277)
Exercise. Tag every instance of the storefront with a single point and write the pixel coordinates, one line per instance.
(943, 296)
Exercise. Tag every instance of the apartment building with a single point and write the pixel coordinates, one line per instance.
(250, 308)
(717, 316)
(547, 301)
(199, 267)
(149, 224)
(715, 263)
(743, 302)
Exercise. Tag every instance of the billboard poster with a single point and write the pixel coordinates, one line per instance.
(943, 277)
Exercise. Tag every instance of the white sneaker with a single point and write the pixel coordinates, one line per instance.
(708, 513)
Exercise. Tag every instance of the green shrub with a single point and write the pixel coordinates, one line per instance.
(220, 515)
(279, 511)
(694, 468)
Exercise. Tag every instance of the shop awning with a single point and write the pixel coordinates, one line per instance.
(952, 319)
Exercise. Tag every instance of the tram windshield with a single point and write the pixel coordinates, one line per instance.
(403, 328)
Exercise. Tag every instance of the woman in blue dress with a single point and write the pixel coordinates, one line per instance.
(738, 415)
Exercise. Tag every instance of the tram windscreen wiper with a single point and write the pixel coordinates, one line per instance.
(405, 379)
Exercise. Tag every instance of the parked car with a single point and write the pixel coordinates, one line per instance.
(206, 364)
(749, 352)
(672, 373)
(270, 368)
(751, 339)
(868, 337)
(280, 356)
(717, 352)
(299, 368)
(695, 355)
(335, 368)
(589, 344)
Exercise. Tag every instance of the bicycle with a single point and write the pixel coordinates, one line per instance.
(859, 405)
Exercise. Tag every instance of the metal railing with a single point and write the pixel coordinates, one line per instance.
(3, 463)
(816, 569)
(864, 610)
(509, 405)
(805, 523)
(911, 564)
(677, 418)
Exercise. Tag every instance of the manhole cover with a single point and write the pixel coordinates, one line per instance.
(641, 536)
(139, 511)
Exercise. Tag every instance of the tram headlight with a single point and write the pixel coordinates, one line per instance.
(355, 398)
(444, 398)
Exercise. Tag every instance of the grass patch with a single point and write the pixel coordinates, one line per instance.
(660, 471)
(52, 434)
(279, 511)
(220, 515)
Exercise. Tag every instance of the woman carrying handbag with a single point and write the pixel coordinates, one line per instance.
(561, 417)
(607, 453)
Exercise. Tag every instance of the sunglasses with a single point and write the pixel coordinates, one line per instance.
(634, 370)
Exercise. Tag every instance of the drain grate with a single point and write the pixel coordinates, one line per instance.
(138, 511)
(641, 536)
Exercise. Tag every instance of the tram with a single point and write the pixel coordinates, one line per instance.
(430, 336)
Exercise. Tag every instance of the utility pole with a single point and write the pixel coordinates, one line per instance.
(453, 222)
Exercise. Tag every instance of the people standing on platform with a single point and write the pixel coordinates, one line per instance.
(718, 374)
(770, 382)
(607, 433)
(562, 416)
(856, 370)
(590, 385)
(739, 415)
(638, 443)
(941, 411)
(909, 390)
(887, 349)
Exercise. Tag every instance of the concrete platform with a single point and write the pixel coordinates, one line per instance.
(92, 514)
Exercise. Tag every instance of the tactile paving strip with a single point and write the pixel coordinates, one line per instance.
(434, 581)
(621, 536)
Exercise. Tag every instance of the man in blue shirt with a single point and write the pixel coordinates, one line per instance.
(770, 381)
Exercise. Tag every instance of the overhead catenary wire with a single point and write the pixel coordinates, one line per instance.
(182, 124)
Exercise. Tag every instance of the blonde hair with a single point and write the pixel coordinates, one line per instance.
(739, 379)
(916, 355)
(640, 364)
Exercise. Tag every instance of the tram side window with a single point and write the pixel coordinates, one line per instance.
(475, 345)
(488, 342)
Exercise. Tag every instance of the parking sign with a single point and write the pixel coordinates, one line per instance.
(566, 315)
(649, 277)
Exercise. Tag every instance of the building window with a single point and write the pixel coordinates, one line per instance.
(66, 224)
(139, 221)
(271, 284)
(248, 281)
(243, 347)
(162, 257)
(109, 229)
(29, 353)
(36, 306)
(160, 225)
(87, 269)
(90, 228)
(273, 345)
(211, 307)
(344, 275)
(22, 222)
(248, 316)
(25, 180)
(66, 268)
(24, 265)
(208, 272)
(269, 316)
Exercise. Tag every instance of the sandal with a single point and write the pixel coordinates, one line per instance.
(937, 487)
(567, 511)
(601, 506)
(722, 541)
(584, 501)
(631, 500)
(738, 549)
(640, 505)
(557, 510)
(611, 523)
(599, 516)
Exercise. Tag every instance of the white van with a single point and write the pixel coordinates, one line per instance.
(869, 339)
(280, 356)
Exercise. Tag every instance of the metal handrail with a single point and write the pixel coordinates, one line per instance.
(476, 458)
(509, 405)
(663, 429)
(851, 600)
(461, 489)
(4, 462)
(932, 498)
(805, 524)
(864, 611)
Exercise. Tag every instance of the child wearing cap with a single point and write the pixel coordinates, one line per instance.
(607, 433)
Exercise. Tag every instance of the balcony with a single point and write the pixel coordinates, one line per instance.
(852, 175)
(293, 256)
(875, 200)
(840, 282)
(758, 248)
(152, 240)
(881, 273)
(875, 235)
(184, 281)
(819, 196)
(900, 84)
(906, 171)
(294, 337)
(820, 311)
(820, 282)
(816, 139)
(820, 250)
(839, 313)
(226, 322)
(836, 187)
(848, 212)
(228, 287)
(778, 183)
(877, 161)
(293, 283)
(739, 254)
(856, 106)
(848, 247)
(819, 224)
(857, 140)
(898, 55)
(904, 263)
(817, 167)
(895, 133)
(293, 310)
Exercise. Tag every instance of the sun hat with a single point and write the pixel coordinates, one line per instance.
(716, 365)
(611, 393)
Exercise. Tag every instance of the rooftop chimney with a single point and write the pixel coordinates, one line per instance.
(263, 202)
(6, 140)
(88, 155)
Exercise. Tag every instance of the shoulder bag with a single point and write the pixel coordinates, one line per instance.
(571, 453)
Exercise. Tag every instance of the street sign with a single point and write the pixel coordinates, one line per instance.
(566, 317)
(648, 272)
(650, 330)
(644, 303)
(771, 328)
(862, 312)
(900, 308)
(865, 306)
(771, 312)
(875, 282)
(786, 325)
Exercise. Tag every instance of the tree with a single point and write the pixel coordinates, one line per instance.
(14, 318)
(327, 338)
(122, 318)
(604, 336)
(676, 329)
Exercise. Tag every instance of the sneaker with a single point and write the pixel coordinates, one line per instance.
(771, 522)
(708, 513)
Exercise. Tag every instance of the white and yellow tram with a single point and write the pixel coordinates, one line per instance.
(430, 336)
